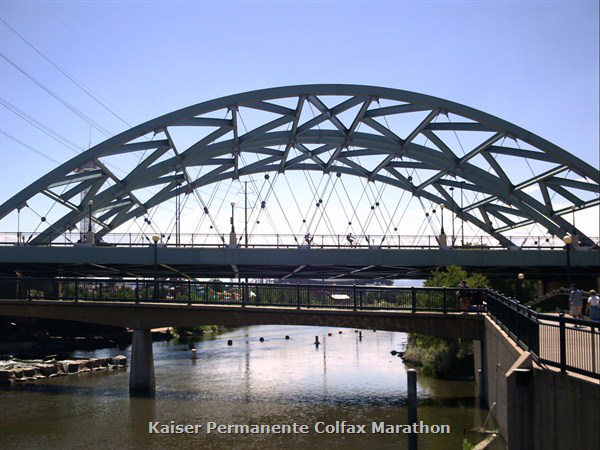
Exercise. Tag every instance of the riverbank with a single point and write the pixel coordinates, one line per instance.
(449, 359)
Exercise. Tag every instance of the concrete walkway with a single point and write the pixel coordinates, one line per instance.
(582, 345)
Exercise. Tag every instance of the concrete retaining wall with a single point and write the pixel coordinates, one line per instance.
(536, 408)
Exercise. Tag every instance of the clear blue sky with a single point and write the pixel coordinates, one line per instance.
(533, 63)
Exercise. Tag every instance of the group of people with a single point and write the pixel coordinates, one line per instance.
(576, 304)
(576, 301)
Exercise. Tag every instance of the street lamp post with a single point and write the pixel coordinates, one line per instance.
(520, 279)
(232, 236)
(568, 240)
(89, 235)
(90, 203)
(442, 240)
(232, 212)
(155, 239)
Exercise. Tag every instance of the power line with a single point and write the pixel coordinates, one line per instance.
(65, 103)
(30, 147)
(66, 74)
(115, 68)
(53, 134)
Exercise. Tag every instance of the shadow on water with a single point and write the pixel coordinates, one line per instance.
(243, 396)
(87, 391)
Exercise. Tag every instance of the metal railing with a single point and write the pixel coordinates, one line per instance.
(293, 241)
(554, 340)
(412, 299)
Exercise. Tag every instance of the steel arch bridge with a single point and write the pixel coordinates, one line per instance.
(347, 122)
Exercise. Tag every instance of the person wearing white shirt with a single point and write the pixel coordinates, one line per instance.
(593, 306)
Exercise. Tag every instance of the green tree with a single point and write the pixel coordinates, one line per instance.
(445, 357)
(451, 276)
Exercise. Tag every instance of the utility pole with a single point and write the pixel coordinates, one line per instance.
(462, 216)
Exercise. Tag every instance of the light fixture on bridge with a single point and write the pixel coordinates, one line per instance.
(520, 278)
(155, 238)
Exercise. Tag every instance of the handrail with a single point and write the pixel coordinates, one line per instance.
(203, 240)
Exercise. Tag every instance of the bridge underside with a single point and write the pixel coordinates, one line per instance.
(288, 263)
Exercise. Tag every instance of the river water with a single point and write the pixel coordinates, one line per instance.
(277, 381)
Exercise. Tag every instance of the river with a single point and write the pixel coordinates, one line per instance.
(278, 381)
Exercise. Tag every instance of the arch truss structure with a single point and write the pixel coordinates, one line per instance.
(520, 179)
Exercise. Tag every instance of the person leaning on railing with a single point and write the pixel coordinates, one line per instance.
(593, 306)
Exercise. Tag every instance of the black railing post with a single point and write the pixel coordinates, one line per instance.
(189, 292)
(413, 293)
(444, 304)
(243, 294)
(360, 296)
(76, 289)
(99, 289)
(297, 295)
(354, 295)
(137, 291)
(205, 292)
(534, 333)
(28, 287)
(563, 343)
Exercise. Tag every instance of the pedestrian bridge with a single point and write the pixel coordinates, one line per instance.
(568, 344)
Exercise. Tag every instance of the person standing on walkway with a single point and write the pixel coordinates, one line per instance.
(464, 295)
(576, 302)
(593, 306)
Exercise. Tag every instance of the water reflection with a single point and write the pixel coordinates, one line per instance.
(275, 381)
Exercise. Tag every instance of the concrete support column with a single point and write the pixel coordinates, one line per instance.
(141, 372)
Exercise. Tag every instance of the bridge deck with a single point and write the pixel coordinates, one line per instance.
(288, 263)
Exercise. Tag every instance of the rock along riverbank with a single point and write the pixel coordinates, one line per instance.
(19, 371)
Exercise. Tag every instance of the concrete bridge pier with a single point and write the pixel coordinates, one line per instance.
(141, 372)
